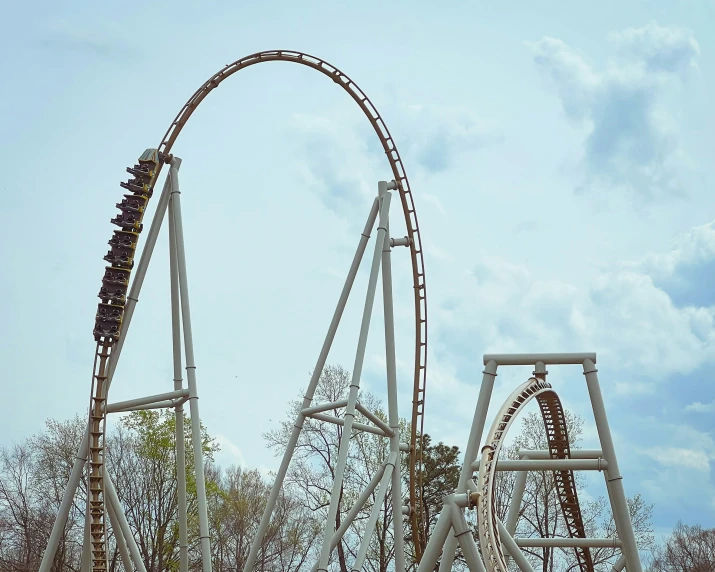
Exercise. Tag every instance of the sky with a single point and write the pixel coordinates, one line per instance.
(560, 157)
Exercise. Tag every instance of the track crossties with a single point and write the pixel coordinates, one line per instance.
(558, 445)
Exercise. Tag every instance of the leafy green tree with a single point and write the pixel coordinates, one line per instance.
(441, 465)
(141, 455)
(236, 505)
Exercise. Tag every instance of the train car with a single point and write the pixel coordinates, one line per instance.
(113, 292)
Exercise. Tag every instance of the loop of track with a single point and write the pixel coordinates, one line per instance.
(408, 207)
(558, 444)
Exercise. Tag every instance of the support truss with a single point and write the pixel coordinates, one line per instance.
(103, 497)
(389, 473)
(496, 540)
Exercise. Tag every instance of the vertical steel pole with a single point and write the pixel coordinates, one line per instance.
(179, 410)
(392, 407)
(437, 540)
(190, 367)
(354, 384)
(470, 453)
(113, 499)
(517, 496)
(317, 371)
(621, 515)
(81, 457)
(119, 538)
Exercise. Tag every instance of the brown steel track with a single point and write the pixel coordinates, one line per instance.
(418, 277)
(558, 444)
(559, 448)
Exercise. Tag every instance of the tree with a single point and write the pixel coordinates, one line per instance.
(141, 457)
(687, 549)
(312, 471)
(33, 475)
(438, 477)
(236, 505)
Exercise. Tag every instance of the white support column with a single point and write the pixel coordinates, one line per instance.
(196, 438)
(516, 497)
(393, 417)
(438, 539)
(119, 539)
(81, 457)
(179, 411)
(354, 384)
(375, 512)
(317, 372)
(568, 542)
(463, 535)
(614, 482)
(472, 450)
(113, 498)
(513, 549)
(352, 514)
(520, 465)
(130, 404)
(620, 564)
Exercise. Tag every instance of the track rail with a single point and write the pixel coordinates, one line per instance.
(107, 340)
(558, 444)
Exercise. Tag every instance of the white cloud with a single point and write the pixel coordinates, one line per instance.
(681, 457)
(229, 454)
(631, 142)
(432, 136)
(687, 271)
(630, 319)
(699, 407)
(323, 146)
(104, 39)
(435, 135)
(661, 49)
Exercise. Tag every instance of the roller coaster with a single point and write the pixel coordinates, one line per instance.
(118, 296)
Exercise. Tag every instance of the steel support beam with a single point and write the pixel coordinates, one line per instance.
(546, 359)
(196, 437)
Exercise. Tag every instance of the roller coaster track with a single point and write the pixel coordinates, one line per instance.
(558, 445)
(114, 285)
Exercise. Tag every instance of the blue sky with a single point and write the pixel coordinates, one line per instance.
(561, 160)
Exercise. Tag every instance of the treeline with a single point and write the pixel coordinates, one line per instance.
(141, 459)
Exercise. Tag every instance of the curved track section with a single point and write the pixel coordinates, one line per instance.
(116, 279)
(558, 444)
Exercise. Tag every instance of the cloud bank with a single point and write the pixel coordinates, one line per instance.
(631, 142)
